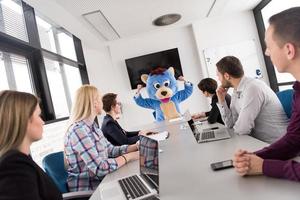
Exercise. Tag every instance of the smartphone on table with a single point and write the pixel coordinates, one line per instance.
(222, 165)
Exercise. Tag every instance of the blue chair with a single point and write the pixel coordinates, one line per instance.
(286, 98)
(54, 167)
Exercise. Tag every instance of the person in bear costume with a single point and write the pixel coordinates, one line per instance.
(164, 97)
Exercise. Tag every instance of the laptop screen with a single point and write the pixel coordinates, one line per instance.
(149, 160)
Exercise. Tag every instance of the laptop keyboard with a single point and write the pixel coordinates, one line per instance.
(133, 187)
(208, 135)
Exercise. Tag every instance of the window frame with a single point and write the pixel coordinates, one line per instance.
(34, 53)
(261, 33)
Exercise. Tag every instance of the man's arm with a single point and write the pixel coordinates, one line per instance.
(246, 163)
(282, 169)
(226, 114)
(253, 100)
(132, 133)
(113, 132)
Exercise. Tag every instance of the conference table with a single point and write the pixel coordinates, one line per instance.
(185, 172)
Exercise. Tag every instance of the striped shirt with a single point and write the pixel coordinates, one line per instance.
(89, 156)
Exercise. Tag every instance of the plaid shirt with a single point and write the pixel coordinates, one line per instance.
(89, 156)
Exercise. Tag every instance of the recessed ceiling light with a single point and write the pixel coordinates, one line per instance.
(99, 22)
(166, 19)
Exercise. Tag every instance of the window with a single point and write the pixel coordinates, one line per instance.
(15, 73)
(276, 6)
(73, 79)
(262, 13)
(66, 45)
(12, 19)
(3, 79)
(39, 57)
(46, 35)
(63, 80)
(55, 39)
(54, 75)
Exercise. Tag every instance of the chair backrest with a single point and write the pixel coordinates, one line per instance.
(286, 98)
(54, 167)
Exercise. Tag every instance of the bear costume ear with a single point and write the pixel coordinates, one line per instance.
(171, 70)
(144, 78)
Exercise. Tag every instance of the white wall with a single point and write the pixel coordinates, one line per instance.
(107, 70)
(190, 41)
(227, 30)
(106, 64)
(120, 50)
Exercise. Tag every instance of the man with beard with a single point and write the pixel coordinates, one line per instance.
(254, 109)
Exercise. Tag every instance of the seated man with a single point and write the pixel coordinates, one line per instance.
(283, 46)
(209, 86)
(254, 109)
(111, 129)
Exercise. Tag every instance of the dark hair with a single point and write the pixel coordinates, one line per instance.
(208, 85)
(109, 100)
(231, 65)
(287, 26)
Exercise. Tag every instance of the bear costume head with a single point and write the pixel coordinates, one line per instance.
(161, 84)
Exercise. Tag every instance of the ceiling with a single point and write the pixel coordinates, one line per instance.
(132, 17)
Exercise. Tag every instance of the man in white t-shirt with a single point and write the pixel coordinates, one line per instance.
(254, 109)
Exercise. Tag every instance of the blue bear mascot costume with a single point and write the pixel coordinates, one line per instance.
(164, 97)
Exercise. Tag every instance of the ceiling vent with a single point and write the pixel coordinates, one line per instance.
(99, 22)
(166, 19)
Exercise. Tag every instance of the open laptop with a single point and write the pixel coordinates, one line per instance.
(140, 186)
(210, 134)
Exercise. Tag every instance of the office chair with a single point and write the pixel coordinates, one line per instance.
(54, 167)
(286, 98)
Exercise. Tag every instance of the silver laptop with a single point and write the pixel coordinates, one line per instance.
(140, 186)
(210, 134)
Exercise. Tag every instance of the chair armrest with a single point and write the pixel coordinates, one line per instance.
(76, 195)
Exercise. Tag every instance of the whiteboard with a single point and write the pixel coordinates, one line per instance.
(245, 51)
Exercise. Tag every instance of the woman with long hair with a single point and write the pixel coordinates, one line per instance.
(89, 155)
(20, 126)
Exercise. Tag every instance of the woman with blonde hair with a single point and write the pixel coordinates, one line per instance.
(88, 153)
(20, 126)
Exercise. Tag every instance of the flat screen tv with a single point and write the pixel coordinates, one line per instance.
(144, 64)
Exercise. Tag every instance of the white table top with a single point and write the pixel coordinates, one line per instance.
(185, 171)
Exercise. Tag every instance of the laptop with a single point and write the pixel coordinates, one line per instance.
(210, 134)
(140, 186)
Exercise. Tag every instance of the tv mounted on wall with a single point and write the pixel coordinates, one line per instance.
(144, 64)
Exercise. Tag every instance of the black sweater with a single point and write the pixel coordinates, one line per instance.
(214, 114)
(22, 179)
(115, 134)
